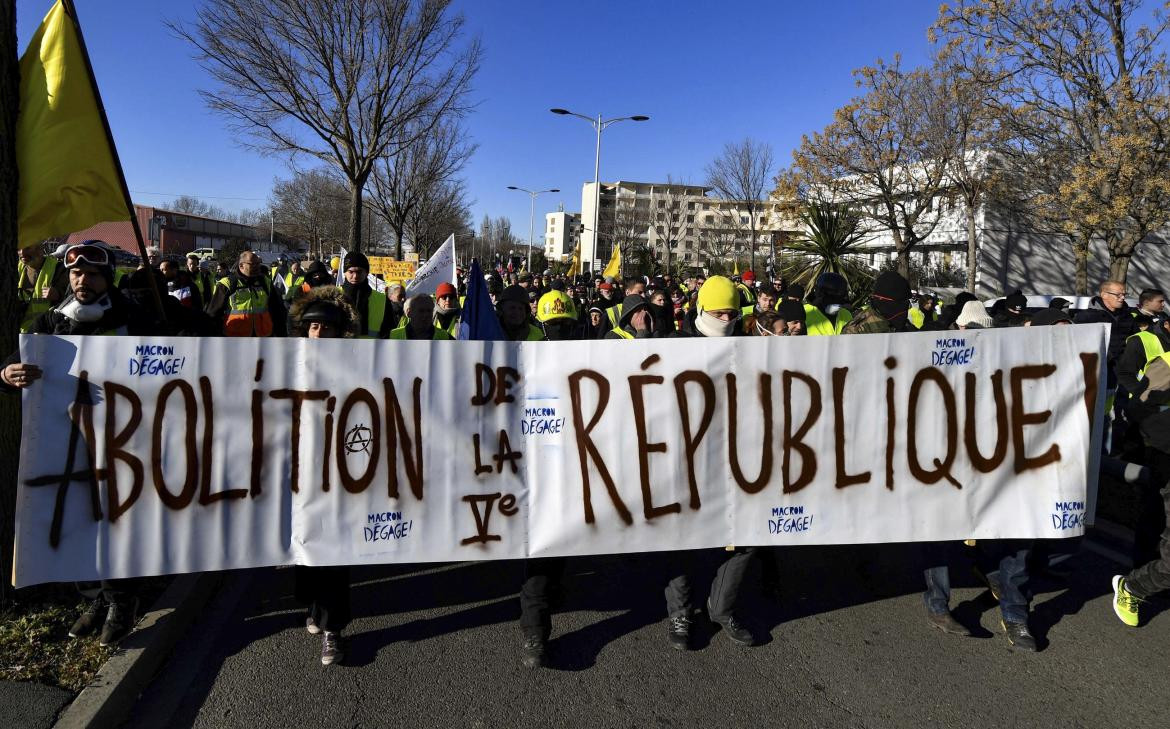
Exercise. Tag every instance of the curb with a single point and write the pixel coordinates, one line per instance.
(108, 699)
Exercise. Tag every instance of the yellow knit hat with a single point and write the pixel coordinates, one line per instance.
(718, 293)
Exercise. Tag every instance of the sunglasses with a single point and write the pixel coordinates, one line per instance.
(93, 255)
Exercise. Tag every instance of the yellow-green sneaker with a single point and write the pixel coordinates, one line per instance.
(1125, 604)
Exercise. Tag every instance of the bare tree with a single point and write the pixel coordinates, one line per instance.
(420, 172)
(886, 154)
(345, 81)
(311, 206)
(628, 226)
(193, 206)
(673, 216)
(1078, 83)
(975, 132)
(440, 212)
(744, 173)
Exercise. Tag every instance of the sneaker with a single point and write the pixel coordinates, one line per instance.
(1125, 603)
(678, 631)
(736, 631)
(311, 626)
(532, 651)
(120, 620)
(1018, 635)
(947, 624)
(331, 651)
(89, 621)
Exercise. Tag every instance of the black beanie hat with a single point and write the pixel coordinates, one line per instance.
(355, 259)
(892, 285)
(791, 310)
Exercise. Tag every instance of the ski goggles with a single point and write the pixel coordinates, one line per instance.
(86, 253)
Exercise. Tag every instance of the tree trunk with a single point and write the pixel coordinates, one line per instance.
(1119, 266)
(972, 248)
(398, 236)
(9, 321)
(753, 224)
(355, 215)
(1081, 258)
(904, 262)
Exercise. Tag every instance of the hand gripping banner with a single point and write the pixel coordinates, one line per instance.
(145, 456)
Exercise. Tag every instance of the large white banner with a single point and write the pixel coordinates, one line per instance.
(146, 456)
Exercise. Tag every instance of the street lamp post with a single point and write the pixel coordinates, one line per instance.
(599, 125)
(531, 215)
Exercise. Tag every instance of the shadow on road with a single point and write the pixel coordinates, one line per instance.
(620, 594)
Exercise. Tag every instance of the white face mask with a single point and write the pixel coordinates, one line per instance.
(710, 325)
(832, 309)
(85, 313)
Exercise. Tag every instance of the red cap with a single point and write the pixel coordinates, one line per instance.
(445, 289)
(749, 276)
(606, 286)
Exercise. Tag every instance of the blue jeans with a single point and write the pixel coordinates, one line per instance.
(1003, 561)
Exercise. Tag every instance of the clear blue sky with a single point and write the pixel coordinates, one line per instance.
(705, 72)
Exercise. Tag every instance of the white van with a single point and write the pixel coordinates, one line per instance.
(204, 253)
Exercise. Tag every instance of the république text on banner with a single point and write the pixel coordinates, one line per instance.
(145, 456)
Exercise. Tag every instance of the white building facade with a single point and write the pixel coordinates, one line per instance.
(680, 224)
(562, 233)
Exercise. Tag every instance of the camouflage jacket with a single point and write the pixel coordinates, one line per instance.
(868, 321)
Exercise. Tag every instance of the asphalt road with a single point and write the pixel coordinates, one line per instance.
(436, 645)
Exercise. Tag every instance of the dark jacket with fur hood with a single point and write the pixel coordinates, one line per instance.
(332, 294)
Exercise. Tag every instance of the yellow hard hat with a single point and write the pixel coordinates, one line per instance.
(718, 293)
(334, 263)
(555, 305)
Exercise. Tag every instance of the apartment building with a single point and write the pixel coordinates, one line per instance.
(681, 221)
(562, 233)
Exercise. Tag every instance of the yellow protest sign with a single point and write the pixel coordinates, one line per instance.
(391, 269)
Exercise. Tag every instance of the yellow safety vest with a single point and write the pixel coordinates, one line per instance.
(375, 313)
(453, 327)
(817, 324)
(37, 304)
(535, 334)
(439, 335)
(293, 282)
(918, 317)
(1153, 347)
(614, 313)
(248, 314)
(622, 333)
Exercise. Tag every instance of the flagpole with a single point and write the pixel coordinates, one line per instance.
(71, 11)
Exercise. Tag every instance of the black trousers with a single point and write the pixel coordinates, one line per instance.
(1154, 576)
(725, 587)
(120, 592)
(542, 585)
(325, 592)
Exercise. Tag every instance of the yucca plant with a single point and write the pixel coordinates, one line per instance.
(832, 242)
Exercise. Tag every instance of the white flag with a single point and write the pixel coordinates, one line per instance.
(439, 268)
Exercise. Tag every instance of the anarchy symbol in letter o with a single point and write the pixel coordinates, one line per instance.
(357, 440)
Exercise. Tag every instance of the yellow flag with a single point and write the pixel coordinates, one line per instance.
(575, 265)
(736, 271)
(68, 174)
(613, 269)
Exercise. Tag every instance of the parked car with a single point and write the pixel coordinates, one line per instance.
(204, 253)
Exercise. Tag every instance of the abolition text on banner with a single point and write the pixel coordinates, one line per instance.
(145, 456)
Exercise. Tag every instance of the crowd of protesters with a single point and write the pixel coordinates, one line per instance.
(80, 292)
